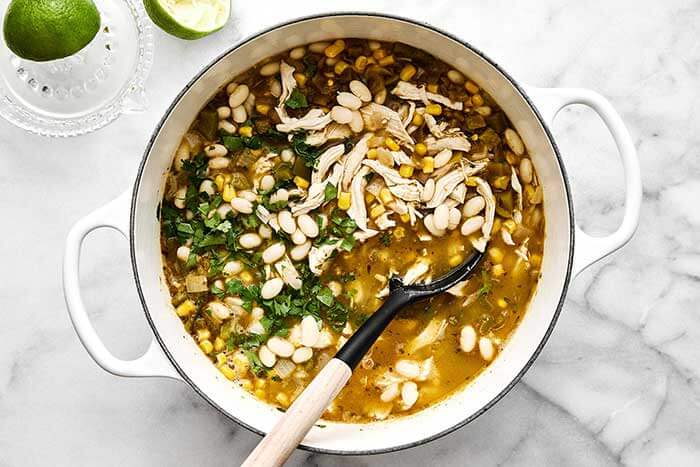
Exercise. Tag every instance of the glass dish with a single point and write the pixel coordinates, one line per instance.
(85, 91)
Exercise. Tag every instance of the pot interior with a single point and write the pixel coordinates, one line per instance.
(463, 405)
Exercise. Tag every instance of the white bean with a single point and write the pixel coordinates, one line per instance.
(275, 88)
(309, 331)
(455, 217)
(219, 163)
(308, 225)
(287, 155)
(223, 112)
(341, 114)
(380, 97)
(249, 103)
(390, 393)
(264, 231)
(227, 126)
(408, 368)
(409, 394)
(231, 87)
(359, 88)
(467, 339)
(455, 76)
(270, 69)
(267, 183)
(238, 96)
(183, 253)
(300, 252)
(249, 195)
(280, 346)
(318, 47)
(286, 221)
(208, 187)
(242, 205)
(471, 225)
(473, 206)
(302, 354)
(232, 267)
(219, 310)
(239, 114)
(442, 158)
(526, 170)
(266, 356)
(256, 313)
(441, 217)
(486, 348)
(336, 290)
(298, 237)
(215, 150)
(356, 124)
(514, 142)
(250, 240)
(428, 190)
(349, 100)
(297, 53)
(430, 226)
(271, 288)
(273, 253)
(223, 210)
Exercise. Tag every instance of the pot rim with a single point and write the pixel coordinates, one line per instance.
(560, 164)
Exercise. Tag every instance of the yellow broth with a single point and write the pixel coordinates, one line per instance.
(218, 285)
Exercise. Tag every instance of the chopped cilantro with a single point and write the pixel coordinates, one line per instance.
(330, 192)
(297, 100)
(308, 153)
(385, 238)
(256, 365)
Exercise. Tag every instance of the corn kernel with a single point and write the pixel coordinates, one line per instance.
(433, 109)
(535, 260)
(185, 308)
(219, 182)
(391, 144)
(376, 211)
(206, 346)
(300, 78)
(497, 270)
(509, 225)
(227, 372)
(471, 181)
(385, 196)
(433, 88)
(407, 73)
(220, 357)
(501, 302)
(471, 87)
(369, 197)
(246, 277)
(282, 399)
(455, 260)
(428, 165)
(496, 254)
(262, 108)
(246, 131)
(379, 54)
(417, 119)
(228, 178)
(228, 193)
(340, 67)
(360, 63)
(400, 232)
(219, 344)
(344, 200)
(246, 384)
(203, 334)
(260, 394)
(301, 182)
(372, 154)
(406, 171)
(477, 100)
(421, 149)
(388, 60)
(335, 48)
(406, 218)
(496, 226)
(260, 383)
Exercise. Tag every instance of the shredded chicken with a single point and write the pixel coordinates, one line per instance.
(315, 119)
(408, 118)
(353, 160)
(444, 186)
(383, 221)
(319, 255)
(288, 273)
(401, 158)
(410, 91)
(288, 82)
(415, 272)
(515, 182)
(334, 131)
(358, 211)
(483, 188)
(377, 117)
(316, 196)
(456, 143)
(329, 157)
(437, 130)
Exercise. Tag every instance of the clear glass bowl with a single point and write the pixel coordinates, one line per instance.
(85, 91)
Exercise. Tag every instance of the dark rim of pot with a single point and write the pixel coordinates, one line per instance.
(536, 352)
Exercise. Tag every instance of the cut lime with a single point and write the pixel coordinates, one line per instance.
(43, 30)
(189, 19)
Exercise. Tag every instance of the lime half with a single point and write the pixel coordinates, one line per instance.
(42, 30)
(189, 19)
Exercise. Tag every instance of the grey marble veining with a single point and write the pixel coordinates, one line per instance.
(618, 382)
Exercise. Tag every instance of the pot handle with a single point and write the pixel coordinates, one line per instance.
(114, 215)
(589, 249)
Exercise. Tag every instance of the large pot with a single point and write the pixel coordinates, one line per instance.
(567, 251)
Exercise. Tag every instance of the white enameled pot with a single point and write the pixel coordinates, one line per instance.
(568, 250)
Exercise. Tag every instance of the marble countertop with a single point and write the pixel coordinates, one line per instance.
(619, 380)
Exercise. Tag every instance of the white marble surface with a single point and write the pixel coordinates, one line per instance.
(618, 381)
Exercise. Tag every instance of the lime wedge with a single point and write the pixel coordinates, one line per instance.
(43, 30)
(189, 19)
